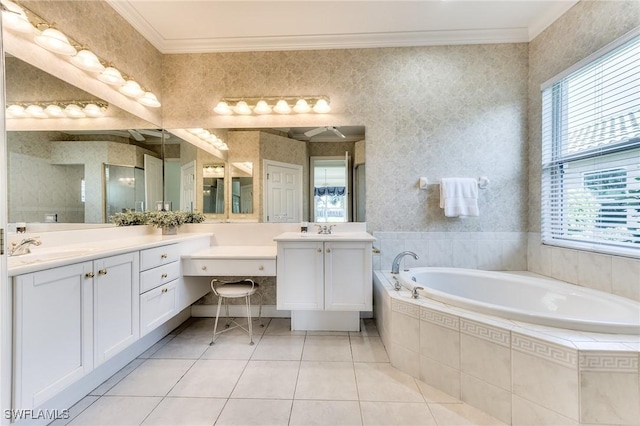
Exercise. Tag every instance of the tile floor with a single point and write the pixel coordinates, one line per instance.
(286, 378)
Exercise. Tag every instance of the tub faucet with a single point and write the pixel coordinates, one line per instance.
(22, 247)
(395, 266)
(414, 292)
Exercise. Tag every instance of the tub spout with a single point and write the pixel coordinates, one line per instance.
(395, 266)
(415, 293)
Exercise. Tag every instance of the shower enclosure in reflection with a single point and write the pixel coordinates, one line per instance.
(124, 189)
(213, 188)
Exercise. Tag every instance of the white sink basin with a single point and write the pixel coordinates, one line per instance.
(45, 256)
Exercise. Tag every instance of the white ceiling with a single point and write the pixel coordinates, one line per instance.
(190, 26)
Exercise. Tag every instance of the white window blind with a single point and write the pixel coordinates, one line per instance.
(591, 154)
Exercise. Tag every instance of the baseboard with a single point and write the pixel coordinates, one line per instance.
(268, 311)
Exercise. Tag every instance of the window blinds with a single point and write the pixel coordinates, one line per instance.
(591, 153)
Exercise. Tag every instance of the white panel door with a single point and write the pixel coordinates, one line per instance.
(116, 301)
(283, 194)
(188, 185)
(153, 184)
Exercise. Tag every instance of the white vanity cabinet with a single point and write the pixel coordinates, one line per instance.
(324, 275)
(69, 320)
(53, 336)
(159, 278)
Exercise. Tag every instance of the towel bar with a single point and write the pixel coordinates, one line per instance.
(483, 182)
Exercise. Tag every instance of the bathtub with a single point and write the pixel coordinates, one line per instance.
(526, 298)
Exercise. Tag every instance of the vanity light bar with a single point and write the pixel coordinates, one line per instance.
(273, 104)
(57, 109)
(209, 137)
(20, 19)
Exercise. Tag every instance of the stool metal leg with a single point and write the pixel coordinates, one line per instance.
(249, 321)
(215, 326)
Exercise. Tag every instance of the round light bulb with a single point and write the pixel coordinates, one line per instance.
(132, 89)
(54, 41)
(36, 111)
(322, 106)
(54, 111)
(17, 111)
(222, 108)
(14, 18)
(262, 107)
(93, 110)
(282, 107)
(242, 108)
(88, 61)
(74, 111)
(149, 99)
(111, 76)
(301, 107)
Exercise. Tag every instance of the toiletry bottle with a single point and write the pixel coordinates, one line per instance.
(304, 226)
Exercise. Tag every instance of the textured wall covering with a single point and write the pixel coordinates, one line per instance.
(584, 29)
(428, 111)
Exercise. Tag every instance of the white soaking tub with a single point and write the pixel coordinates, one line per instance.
(526, 298)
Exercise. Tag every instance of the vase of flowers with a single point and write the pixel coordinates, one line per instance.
(168, 221)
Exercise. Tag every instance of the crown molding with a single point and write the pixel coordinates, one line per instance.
(537, 26)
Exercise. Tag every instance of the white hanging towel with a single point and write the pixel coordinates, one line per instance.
(459, 197)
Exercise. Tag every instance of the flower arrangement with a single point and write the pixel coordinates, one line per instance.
(166, 220)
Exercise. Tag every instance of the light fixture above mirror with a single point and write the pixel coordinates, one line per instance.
(262, 105)
(56, 109)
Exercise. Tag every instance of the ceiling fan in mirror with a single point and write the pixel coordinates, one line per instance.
(319, 130)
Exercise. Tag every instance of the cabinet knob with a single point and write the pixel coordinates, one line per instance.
(164, 290)
(319, 250)
(328, 250)
(164, 255)
(260, 268)
(89, 275)
(164, 275)
(102, 272)
(204, 268)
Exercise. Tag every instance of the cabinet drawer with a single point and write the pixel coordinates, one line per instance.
(150, 258)
(220, 267)
(152, 278)
(158, 306)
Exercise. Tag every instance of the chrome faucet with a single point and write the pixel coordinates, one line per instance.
(395, 266)
(324, 229)
(415, 293)
(18, 249)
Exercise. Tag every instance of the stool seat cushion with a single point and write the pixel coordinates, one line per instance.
(236, 290)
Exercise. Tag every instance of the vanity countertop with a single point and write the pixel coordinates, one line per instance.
(336, 236)
(44, 257)
(235, 252)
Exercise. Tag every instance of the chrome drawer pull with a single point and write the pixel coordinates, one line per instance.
(164, 275)
(260, 268)
(164, 256)
(204, 268)
(164, 290)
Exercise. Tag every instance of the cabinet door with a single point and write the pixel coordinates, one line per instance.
(53, 332)
(300, 277)
(158, 306)
(116, 305)
(348, 280)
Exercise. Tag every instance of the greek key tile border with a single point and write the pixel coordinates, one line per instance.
(439, 318)
(483, 331)
(609, 362)
(405, 308)
(552, 352)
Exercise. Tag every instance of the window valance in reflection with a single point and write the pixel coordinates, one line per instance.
(320, 191)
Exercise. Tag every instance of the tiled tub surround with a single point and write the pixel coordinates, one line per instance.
(518, 372)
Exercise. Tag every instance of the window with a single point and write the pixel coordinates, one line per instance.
(591, 152)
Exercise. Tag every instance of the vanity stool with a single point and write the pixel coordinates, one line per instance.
(232, 290)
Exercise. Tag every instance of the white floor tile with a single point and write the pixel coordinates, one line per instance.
(368, 349)
(113, 380)
(210, 378)
(282, 327)
(268, 379)
(343, 413)
(155, 377)
(75, 411)
(326, 348)
(396, 414)
(231, 347)
(281, 348)
(185, 412)
(166, 339)
(117, 410)
(250, 412)
(326, 380)
(382, 382)
(183, 348)
(461, 414)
